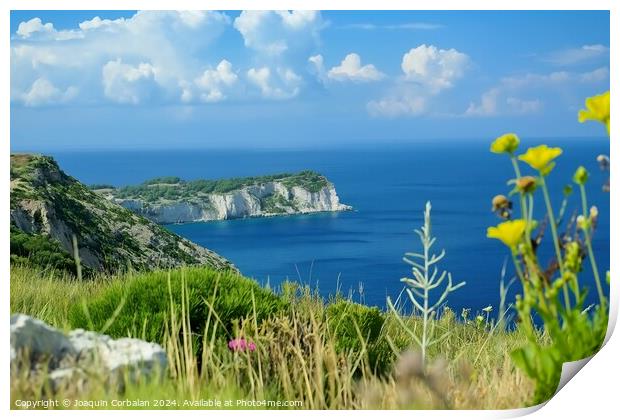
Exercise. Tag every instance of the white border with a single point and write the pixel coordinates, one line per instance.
(593, 393)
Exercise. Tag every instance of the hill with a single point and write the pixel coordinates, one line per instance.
(49, 208)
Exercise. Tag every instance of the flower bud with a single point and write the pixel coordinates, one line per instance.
(581, 176)
(526, 184)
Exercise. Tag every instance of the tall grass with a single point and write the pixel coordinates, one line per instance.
(298, 358)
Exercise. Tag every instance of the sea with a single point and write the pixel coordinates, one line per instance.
(360, 253)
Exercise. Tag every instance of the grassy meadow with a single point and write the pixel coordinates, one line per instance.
(327, 355)
(228, 338)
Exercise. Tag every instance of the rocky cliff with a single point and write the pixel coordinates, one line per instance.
(171, 200)
(49, 208)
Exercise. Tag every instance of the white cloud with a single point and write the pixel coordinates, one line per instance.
(166, 40)
(582, 54)
(277, 32)
(351, 69)
(284, 83)
(43, 92)
(493, 102)
(124, 83)
(503, 98)
(598, 75)
(428, 71)
(487, 105)
(436, 68)
(213, 82)
(317, 63)
(34, 25)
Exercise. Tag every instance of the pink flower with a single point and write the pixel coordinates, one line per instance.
(241, 344)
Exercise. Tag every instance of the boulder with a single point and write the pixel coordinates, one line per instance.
(119, 354)
(38, 340)
(72, 357)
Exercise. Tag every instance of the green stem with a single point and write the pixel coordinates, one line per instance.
(586, 233)
(556, 241)
(517, 267)
(515, 165)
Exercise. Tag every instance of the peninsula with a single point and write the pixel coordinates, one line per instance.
(167, 200)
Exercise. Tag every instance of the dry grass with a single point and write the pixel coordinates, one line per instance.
(296, 359)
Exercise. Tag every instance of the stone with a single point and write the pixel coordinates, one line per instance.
(80, 353)
(117, 354)
(38, 339)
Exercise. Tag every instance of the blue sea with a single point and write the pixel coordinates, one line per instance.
(360, 252)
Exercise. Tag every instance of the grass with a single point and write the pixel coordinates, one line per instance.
(302, 354)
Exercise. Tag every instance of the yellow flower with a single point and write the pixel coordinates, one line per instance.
(510, 232)
(597, 109)
(507, 143)
(541, 157)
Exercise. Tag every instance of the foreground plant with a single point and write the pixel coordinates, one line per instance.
(425, 279)
(553, 294)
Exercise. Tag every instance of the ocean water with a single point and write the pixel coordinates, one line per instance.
(360, 252)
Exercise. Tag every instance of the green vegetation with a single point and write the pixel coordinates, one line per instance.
(140, 304)
(40, 251)
(52, 207)
(554, 293)
(174, 188)
(337, 355)
(357, 329)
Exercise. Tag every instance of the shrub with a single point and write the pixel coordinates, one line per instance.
(350, 323)
(39, 251)
(141, 306)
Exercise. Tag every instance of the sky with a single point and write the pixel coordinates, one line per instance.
(265, 79)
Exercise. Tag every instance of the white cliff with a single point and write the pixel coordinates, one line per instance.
(259, 200)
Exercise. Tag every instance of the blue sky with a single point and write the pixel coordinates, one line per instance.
(103, 79)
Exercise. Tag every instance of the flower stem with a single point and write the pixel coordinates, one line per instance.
(556, 241)
(515, 165)
(586, 233)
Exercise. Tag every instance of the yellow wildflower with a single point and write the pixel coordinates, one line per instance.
(541, 157)
(597, 109)
(510, 232)
(507, 143)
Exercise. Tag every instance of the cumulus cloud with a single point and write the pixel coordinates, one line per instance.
(283, 83)
(578, 55)
(351, 69)
(277, 32)
(213, 82)
(127, 84)
(34, 25)
(157, 48)
(43, 92)
(433, 67)
(427, 71)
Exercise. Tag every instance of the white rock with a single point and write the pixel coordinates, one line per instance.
(38, 339)
(83, 350)
(117, 354)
